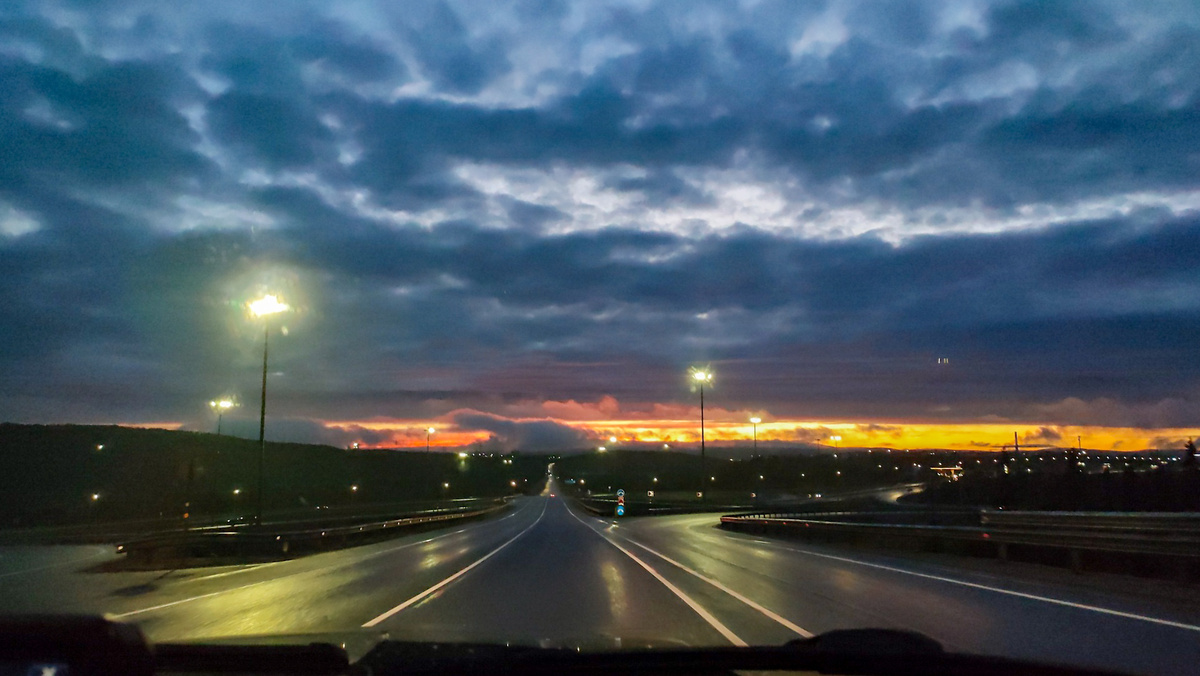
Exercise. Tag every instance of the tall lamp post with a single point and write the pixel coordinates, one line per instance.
(220, 406)
(263, 307)
(754, 421)
(701, 377)
(428, 431)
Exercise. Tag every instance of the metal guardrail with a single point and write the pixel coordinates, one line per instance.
(1161, 533)
(115, 531)
(289, 538)
(1155, 534)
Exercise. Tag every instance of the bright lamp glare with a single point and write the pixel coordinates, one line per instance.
(267, 305)
(756, 420)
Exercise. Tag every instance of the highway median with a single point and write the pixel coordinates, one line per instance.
(247, 543)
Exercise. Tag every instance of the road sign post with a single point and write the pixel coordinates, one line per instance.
(620, 502)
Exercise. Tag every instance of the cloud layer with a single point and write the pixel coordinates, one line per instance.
(475, 212)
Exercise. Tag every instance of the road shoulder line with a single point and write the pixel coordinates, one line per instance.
(756, 606)
(383, 616)
(696, 607)
(999, 590)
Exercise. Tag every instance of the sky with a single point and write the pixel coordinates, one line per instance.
(911, 224)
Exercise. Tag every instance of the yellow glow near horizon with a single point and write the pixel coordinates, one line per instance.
(675, 434)
(267, 305)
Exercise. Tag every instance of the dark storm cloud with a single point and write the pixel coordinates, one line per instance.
(165, 156)
(454, 61)
(115, 126)
(532, 435)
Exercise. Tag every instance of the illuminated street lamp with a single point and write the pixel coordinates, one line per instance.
(754, 421)
(701, 377)
(263, 307)
(220, 406)
(835, 440)
(428, 432)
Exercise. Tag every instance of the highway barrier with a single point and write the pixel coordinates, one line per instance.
(288, 539)
(109, 532)
(1164, 537)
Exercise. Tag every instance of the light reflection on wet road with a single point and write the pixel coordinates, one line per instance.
(552, 575)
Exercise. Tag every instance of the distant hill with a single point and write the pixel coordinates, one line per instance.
(56, 474)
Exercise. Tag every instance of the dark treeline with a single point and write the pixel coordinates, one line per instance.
(1163, 489)
(1056, 479)
(62, 474)
(767, 476)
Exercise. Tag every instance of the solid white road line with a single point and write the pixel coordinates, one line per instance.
(60, 564)
(999, 590)
(704, 614)
(765, 611)
(452, 578)
(232, 572)
(121, 616)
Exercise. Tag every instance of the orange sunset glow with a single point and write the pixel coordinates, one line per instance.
(963, 437)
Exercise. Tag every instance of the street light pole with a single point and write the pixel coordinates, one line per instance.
(754, 421)
(219, 406)
(262, 429)
(702, 377)
(267, 305)
(428, 431)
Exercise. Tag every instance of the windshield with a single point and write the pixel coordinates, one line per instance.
(605, 324)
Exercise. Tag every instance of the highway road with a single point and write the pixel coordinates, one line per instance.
(549, 573)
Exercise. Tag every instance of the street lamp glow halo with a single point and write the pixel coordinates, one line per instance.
(267, 305)
(756, 420)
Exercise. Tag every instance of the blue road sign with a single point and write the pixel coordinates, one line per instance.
(620, 510)
(620, 492)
